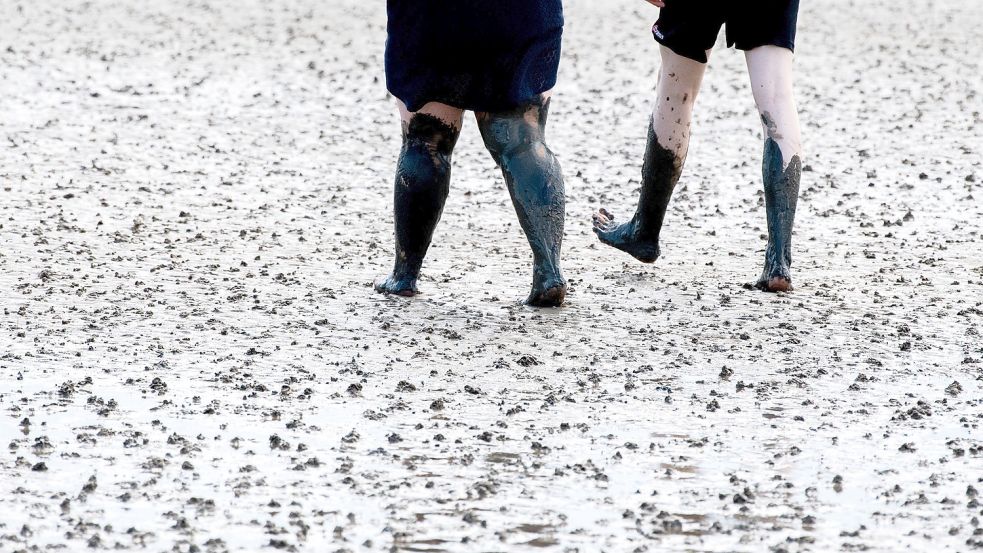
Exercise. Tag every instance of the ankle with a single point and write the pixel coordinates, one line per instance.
(548, 272)
(404, 273)
(645, 226)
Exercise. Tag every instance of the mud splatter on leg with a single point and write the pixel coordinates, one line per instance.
(668, 142)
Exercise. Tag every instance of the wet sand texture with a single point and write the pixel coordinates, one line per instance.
(196, 196)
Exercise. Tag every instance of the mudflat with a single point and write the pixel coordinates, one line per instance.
(195, 198)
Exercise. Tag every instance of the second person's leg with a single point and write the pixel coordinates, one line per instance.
(770, 69)
(516, 140)
(668, 143)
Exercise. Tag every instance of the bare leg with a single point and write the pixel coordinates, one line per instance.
(517, 141)
(423, 178)
(770, 69)
(668, 143)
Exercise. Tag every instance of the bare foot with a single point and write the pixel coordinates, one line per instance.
(625, 237)
(551, 296)
(776, 284)
(776, 277)
(399, 286)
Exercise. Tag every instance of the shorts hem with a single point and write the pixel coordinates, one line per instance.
(700, 57)
(464, 105)
(746, 46)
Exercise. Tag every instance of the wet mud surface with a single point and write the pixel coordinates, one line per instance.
(197, 197)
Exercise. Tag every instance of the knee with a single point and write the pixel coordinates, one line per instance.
(507, 139)
(421, 172)
(431, 133)
(772, 97)
(677, 88)
(680, 95)
(425, 158)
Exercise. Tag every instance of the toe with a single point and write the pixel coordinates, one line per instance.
(602, 220)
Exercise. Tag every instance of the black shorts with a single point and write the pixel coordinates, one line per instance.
(690, 28)
(481, 55)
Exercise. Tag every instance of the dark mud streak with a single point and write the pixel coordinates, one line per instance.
(771, 128)
(781, 196)
(517, 141)
(660, 173)
(423, 176)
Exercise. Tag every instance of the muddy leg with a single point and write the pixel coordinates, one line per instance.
(668, 143)
(516, 140)
(423, 176)
(770, 69)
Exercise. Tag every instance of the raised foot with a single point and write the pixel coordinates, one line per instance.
(398, 286)
(625, 237)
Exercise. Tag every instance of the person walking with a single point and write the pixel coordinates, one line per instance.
(687, 31)
(498, 58)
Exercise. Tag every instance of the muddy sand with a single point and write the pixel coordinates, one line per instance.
(196, 198)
